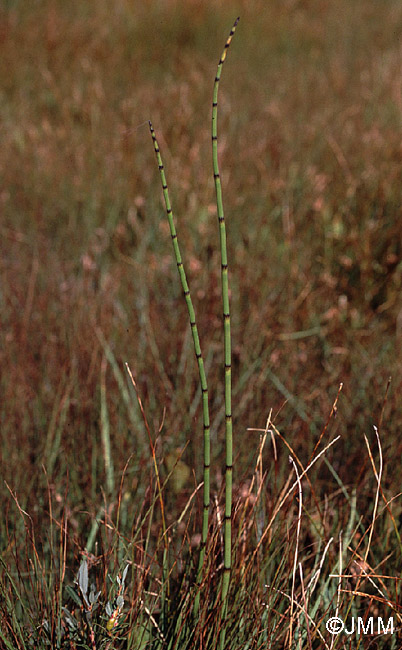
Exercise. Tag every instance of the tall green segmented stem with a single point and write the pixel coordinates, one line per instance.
(198, 354)
(227, 343)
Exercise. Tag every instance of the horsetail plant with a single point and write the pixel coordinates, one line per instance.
(198, 354)
(227, 562)
(200, 361)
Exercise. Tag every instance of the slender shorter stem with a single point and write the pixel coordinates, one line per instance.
(201, 369)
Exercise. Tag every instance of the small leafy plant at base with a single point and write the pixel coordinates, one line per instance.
(89, 625)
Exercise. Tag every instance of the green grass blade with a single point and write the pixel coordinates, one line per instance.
(127, 393)
(227, 341)
(105, 431)
(200, 361)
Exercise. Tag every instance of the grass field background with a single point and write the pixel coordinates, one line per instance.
(310, 120)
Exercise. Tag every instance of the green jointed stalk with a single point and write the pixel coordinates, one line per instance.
(198, 354)
(227, 342)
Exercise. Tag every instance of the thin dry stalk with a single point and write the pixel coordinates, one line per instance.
(305, 605)
(289, 492)
(296, 549)
(377, 494)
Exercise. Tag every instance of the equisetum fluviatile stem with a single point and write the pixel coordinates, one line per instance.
(201, 369)
(227, 562)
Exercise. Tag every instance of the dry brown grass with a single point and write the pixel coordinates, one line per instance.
(310, 149)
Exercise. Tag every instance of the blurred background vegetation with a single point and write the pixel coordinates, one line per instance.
(310, 153)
